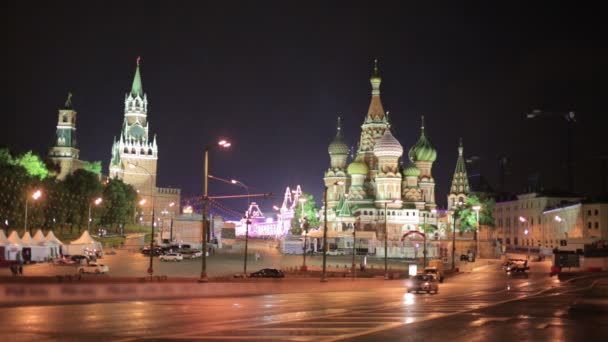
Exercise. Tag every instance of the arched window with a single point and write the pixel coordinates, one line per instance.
(126, 150)
(133, 150)
(150, 152)
(142, 151)
(65, 118)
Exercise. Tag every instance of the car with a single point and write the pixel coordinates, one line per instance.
(517, 267)
(192, 254)
(157, 251)
(335, 252)
(423, 282)
(267, 273)
(171, 257)
(94, 268)
(434, 271)
(464, 257)
(79, 258)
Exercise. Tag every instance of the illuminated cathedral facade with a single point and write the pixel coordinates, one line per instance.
(376, 193)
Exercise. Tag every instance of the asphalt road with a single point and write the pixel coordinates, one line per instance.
(485, 305)
(134, 264)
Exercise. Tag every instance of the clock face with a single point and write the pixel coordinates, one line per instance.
(136, 131)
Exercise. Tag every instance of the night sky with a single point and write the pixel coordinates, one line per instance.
(273, 76)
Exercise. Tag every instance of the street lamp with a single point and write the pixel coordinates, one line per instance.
(304, 225)
(221, 144)
(477, 208)
(524, 220)
(35, 196)
(96, 202)
(354, 247)
(150, 267)
(386, 237)
(323, 274)
(456, 210)
(247, 223)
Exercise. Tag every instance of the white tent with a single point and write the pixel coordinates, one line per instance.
(52, 241)
(13, 248)
(3, 240)
(84, 245)
(14, 238)
(50, 237)
(37, 251)
(27, 240)
(4, 246)
(39, 237)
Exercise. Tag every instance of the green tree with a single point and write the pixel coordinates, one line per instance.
(310, 214)
(468, 216)
(33, 165)
(94, 167)
(84, 187)
(118, 203)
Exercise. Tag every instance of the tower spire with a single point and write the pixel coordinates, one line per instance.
(136, 88)
(376, 110)
(460, 181)
(422, 125)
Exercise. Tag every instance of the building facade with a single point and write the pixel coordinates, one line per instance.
(528, 222)
(135, 156)
(65, 153)
(373, 193)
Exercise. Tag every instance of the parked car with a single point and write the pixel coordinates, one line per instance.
(267, 273)
(423, 282)
(171, 257)
(435, 271)
(192, 254)
(335, 252)
(157, 251)
(79, 258)
(94, 268)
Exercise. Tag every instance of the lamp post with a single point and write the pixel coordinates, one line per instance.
(386, 237)
(354, 248)
(476, 208)
(35, 196)
(456, 210)
(96, 202)
(224, 144)
(150, 267)
(247, 223)
(323, 274)
(523, 220)
(304, 225)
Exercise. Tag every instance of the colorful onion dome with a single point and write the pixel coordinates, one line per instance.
(423, 150)
(357, 167)
(388, 146)
(411, 170)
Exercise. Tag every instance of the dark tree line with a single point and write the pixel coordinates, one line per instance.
(62, 204)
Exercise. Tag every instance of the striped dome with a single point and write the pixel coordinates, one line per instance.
(411, 170)
(357, 167)
(388, 146)
(337, 146)
(423, 150)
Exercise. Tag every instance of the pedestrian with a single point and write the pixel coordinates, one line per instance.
(14, 270)
(20, 270)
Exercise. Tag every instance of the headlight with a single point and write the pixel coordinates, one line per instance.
(426, 284)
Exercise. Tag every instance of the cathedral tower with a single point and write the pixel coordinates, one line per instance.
(460, 182)
(388, 178)
(374, 125)
(338, 153)
(65, 153)
(423, 154)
